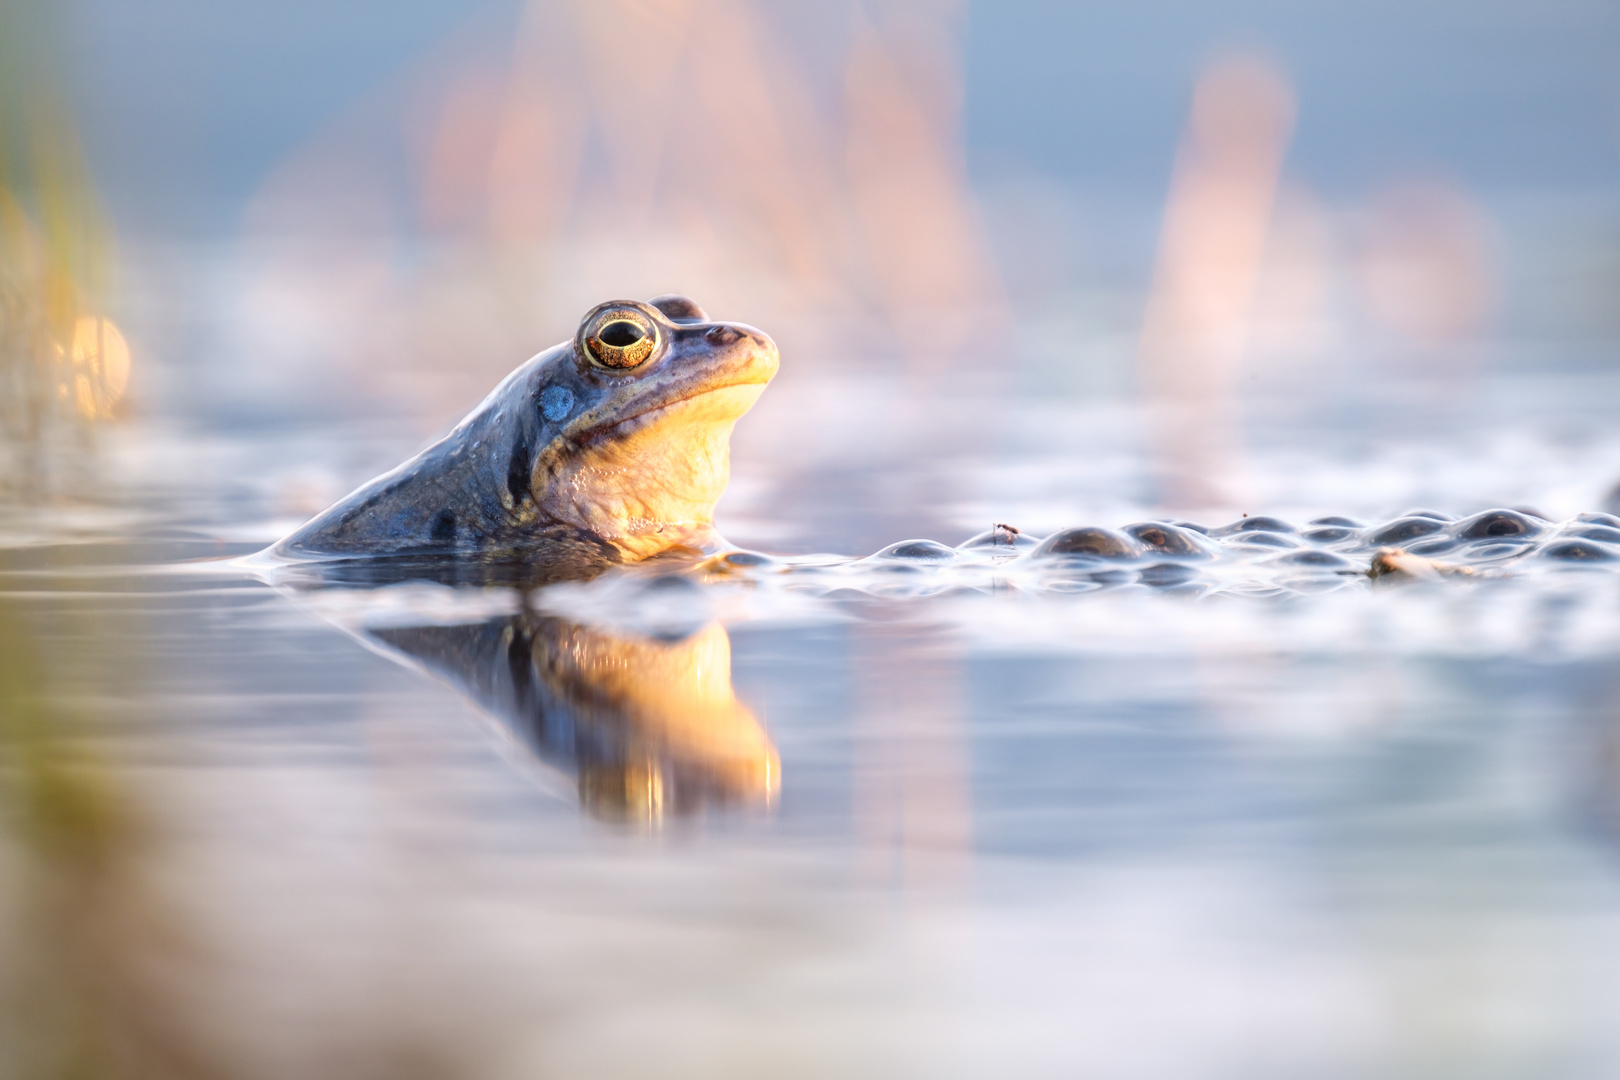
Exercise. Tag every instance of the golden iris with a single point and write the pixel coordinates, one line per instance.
(621, 338)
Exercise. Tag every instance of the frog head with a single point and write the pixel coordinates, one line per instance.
(644, 406)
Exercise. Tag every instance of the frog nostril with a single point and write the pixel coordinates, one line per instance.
(722, 335)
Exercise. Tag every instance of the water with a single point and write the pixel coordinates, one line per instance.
(961, 816)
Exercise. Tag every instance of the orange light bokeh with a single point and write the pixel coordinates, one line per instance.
(1216, 222)
(97, 364)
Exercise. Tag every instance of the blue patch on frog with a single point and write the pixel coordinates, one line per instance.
(556, 402)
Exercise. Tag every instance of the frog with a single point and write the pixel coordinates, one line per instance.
(610, 448)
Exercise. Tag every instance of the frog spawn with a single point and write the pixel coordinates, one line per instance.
(1253, 556)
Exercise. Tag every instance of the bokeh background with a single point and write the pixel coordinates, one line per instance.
(1245, 224)
(1031, 262)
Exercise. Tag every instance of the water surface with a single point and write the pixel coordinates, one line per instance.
(884, 823)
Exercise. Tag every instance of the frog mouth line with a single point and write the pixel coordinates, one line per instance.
(595, 433)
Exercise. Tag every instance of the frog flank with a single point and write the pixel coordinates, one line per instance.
(612, 447)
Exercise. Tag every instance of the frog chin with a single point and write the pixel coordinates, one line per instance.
(650, 482)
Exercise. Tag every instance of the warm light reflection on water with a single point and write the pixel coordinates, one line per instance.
(650, 727)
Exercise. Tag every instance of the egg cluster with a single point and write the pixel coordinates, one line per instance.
(1250, 556)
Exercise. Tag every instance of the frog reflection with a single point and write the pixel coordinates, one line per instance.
(651, 727)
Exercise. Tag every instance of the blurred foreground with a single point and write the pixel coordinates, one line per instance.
(455, 828)
(399, 830)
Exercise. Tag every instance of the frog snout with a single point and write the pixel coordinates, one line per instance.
(739, 341)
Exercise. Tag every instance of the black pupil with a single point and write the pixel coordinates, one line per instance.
(620, 334)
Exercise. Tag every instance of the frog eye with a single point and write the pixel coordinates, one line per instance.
(619, 337)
